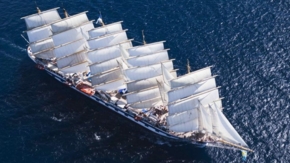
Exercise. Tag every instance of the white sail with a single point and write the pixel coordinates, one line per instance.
(189, 90)
(39, 33)
(217, 104)
(76, 68)
(47, 54)
(143, 95)
(138, 73)
(182, 117)
(42, 45)
(205, 120)
(143, 84)
(71, 60)
(111, 86)
(148, 59)
(194, 101)
(185, 127)
(146, 49)
(163, 88)
(184, 122)
(98, 68)
(70, 22)
(173, 73)
(43, 18)
(224, 129)
(72, 34)
(107, 29)
(70, 48)
(191, 78)
(167, 76)
(147, 104)
(124, 52)
(108, 40)
(107, 53)
(110, 76)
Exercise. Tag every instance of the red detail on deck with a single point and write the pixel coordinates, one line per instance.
(86, 89)
(40, 66)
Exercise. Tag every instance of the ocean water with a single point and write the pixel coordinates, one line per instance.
(247, 42)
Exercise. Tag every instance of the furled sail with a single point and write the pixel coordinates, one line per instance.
(146, 49)
(107, 29)
(69, 22)
(40, 19)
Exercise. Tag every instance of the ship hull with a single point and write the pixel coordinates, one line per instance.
(120, 110)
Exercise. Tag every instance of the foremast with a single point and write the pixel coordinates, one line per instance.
(195, 109)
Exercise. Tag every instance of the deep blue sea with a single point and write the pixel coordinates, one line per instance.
(247, 42)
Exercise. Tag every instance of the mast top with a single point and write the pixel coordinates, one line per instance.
(144, 42)
(65, 13)
(38, 10)
(188, 67)
(100, 20)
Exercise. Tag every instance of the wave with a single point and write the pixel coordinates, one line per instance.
(9, 56)
(12, 44)
(56, 119)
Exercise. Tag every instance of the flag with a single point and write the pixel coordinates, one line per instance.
(100, 20)
(244, 155)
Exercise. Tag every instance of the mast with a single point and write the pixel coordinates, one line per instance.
(38, 10)
(100, 20)
(188, 67)
(65, 13)
(144, 42)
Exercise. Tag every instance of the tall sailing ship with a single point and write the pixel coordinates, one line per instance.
(137, 82)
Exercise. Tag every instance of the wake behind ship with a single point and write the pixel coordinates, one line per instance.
(137, 82)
